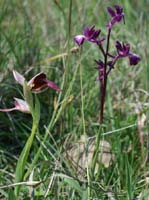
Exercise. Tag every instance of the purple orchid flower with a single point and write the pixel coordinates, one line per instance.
(20, 105)
(116, 15)
(90, 34)
(37, 83)
(123, 50)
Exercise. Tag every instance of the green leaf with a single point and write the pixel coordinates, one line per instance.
(20, 168)
(11, 195)
(74, 184)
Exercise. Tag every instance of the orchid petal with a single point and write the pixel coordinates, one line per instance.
(86, 31)
(21, 105)
(18, 77)
(122, 49)
(52, 85)
(8, 109)
(111, 11)
(119, 9)
(134, 59)
(79, 39)
(37, 81)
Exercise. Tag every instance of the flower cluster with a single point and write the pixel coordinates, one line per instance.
(107, 64)
(123, 50)
(36, 85)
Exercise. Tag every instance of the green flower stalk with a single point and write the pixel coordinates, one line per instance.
(35, 112)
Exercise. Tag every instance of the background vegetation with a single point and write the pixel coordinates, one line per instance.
(38, 36)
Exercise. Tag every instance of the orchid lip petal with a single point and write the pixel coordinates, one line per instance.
(18, 77)
(134, 59)
(52, 85)
(79, 39)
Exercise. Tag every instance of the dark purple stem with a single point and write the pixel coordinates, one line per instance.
(109, 70)
(103, 83)
(102, 49)
(110, 55)
(113, 63)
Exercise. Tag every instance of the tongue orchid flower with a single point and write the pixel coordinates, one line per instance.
(37, 83)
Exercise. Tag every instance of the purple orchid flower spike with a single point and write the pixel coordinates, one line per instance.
(108, 62)
(37, 83)
(123, 50)
(116, 14)
(90, 34)
(20, 105)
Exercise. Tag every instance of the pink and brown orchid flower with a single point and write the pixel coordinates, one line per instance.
(37, 83)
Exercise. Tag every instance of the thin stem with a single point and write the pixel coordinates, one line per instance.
(102, 97)
(103, 83)
(60, 8)
(82, 99)
(108, 40)
(110, 55)
(102, 49)
(83, 120)
(69, 19)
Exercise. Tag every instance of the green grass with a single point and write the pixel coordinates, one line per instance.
(32, 33)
